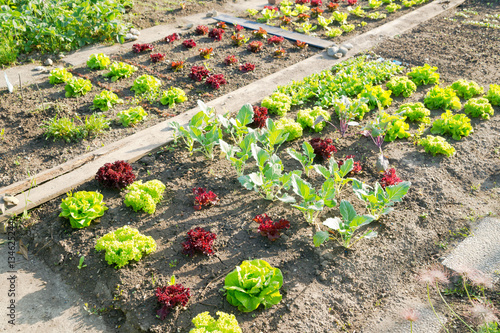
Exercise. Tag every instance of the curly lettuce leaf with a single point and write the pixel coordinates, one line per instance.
(144, 196)
(82, 207)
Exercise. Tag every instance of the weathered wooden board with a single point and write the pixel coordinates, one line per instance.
(290, 35)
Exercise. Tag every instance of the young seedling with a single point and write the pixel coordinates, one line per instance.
(306, 159)
(81, 264)
(238, 156)
(345, 227)
(237, 127)
(271, 136)
(337, 174)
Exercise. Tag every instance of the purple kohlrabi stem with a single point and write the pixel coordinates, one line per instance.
(379, 141)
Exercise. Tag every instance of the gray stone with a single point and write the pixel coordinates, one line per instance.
(331, 51)
(60, 55)
(148, 160)
(348, 46)
(135, 32)
(39, 69)
(212, 13)
(129, 37)
(189, 25)
(10, 200)
(343, 50)
(48, 62)
(338, 55)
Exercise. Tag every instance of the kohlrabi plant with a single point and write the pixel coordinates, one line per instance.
(124, 245)
(337, 173)
(436, 145)
(237, 126)
(442, 98)
(203, 128)
(77, 87)
(312, 203)
(380, 201)
(269, 181)
(457, 125)
(290, 127)
(401, 85)
(306, 159)
(424, 75)
(376, 129)
(173, 96)
(271, 137)
(479, 107)
(98, 61)
(106, 100)
(467, 89)
(120, 70)
(253, 283)
(307, 118)
(82, 207)
(343, 229)
(59, 75)
(239, 155)
(144, 196)
(132, 116)
(347, 110)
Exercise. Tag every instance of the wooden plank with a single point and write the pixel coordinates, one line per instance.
(141, 143)
(290, 35)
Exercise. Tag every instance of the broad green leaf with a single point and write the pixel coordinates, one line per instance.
(245, 115)
(246, 182)
(308, 150)
(322, 171)
(260, 155)
(320, 237)
(197, 119)
(346, 167)
(297, 156)
(303, 188)
(328, 193)
(333, 223)
(360, 220)
(347, 211)
(287, 198)
(332, 165)
(317, 205)
(256, 178)
(397, 192)
(370, 234)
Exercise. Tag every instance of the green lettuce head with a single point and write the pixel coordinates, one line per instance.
(82, 207)
(252, 283)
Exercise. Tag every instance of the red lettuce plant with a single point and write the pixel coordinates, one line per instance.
(323, 147)
(316, 3)
(216, 33)
(356, 168)
(199, 240)
(189, 43)
(238, 39)
(157, 57)
(204, 198)
(248, 67)
(259, 117)
(332, 6)
(115, 175)
(230, 59)
(216, 80)
(177, 65)
(221, 24)
(285, 20)
(302, 17)
(255, 46)
(171, 296)
(275, 40)
(389, 178)
(316, 11)
(271, 8)
(238, 28)
(172, 37)
(138, 48)
(270, 229)
(198, 73)
(261, 33)
(201, 30)
(205, 53)
(352, 2)
(279, 53)
(300, 45)
(301, 2)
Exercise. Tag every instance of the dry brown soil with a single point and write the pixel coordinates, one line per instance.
(328, 289)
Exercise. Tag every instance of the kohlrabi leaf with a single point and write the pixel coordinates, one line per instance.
(320, 237)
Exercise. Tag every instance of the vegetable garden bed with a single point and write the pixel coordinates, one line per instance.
(327, 289)
(22, 114)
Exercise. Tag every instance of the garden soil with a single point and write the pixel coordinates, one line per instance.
(327, 289)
